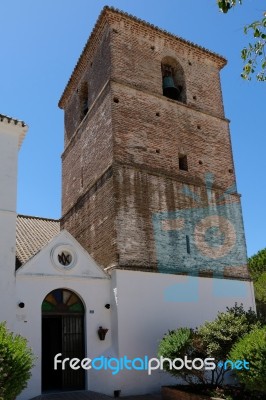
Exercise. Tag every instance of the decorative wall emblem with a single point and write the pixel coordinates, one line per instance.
(64, 257)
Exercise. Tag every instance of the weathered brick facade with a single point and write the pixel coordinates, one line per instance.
(121, 168)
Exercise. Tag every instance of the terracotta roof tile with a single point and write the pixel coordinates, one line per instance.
(32, 234)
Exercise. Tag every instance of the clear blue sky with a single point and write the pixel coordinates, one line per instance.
(40, 44)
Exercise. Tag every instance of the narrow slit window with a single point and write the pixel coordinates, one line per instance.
(188, 244)
(84, 106)
(183, 165)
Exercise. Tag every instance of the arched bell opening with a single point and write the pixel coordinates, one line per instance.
(62, 332)
(173, 80)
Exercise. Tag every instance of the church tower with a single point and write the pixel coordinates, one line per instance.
(148, 173)
(12, 133)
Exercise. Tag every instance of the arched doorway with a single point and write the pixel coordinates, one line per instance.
(62, 332)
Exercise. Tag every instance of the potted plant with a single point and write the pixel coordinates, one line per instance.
(102, 332)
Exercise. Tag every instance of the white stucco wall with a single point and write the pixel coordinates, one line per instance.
(10, 136)
(94, 294)
(39, 277)
(144, 306)
(150, 304)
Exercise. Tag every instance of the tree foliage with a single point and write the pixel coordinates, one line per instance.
(253, 55)
(257, 269)
(226, 5)
(16, 361)
(252, 347)
(260, 288)
(257, 264)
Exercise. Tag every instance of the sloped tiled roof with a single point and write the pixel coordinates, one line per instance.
(32, 234)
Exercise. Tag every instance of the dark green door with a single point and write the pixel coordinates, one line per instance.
(62, 332)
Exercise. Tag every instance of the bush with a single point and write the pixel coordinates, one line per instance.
(212, 340)
(16, 361)
(220, 335)
(178, 344)
(252, 348)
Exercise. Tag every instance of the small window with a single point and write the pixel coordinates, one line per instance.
(183, 165)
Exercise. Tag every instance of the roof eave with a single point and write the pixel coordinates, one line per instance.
(15, 125)
(220, 60)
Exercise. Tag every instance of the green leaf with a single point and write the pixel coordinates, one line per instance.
(244, 54)
(257, 33)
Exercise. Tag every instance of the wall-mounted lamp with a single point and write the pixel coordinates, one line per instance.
(21, 304)
(102, 332)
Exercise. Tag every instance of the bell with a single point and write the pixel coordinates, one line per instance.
(169, 88)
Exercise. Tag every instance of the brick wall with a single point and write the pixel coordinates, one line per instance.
(137, 52)
(91, 221)
(96, 73)
(89, 153)
(144, 138)
(169, 393)
(156, 216)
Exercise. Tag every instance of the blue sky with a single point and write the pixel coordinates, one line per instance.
(40, 44)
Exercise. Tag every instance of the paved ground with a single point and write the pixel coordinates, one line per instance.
(87, 395)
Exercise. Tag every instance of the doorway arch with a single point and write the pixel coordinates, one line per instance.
(62, 332)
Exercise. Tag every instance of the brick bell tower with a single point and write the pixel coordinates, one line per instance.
(148, 174)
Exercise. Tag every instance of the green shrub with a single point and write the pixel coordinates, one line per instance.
(213, 339)
(220, 335)
(252, 348)
(16, 361)
(178, 344)
(175, 343)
